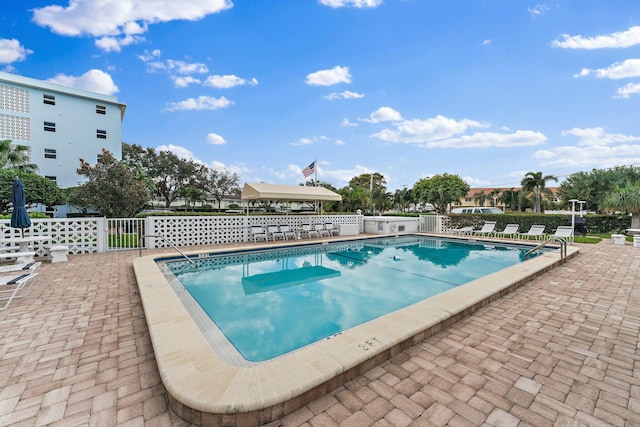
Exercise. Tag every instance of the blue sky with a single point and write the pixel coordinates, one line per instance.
(486, 89)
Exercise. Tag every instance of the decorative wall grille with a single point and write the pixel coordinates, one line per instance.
(15, 128)
(14, 99)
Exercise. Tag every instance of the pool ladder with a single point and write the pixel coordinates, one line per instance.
(158, 236)
(560, 240)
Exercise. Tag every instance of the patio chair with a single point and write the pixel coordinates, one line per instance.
(309, 231)
(536, 231)
(321, 230)
(488, 228)
(257, 233)
(274, 232)
(15, 286)
(288, 232)
(332, 229)
(564, 233)
(462, 231)
(510, 230)
(29, 267)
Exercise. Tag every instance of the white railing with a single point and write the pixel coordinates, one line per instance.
(431, 223)
(89, 235)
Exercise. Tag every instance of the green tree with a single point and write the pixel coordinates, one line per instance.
(511, 198)
(353, 198)
(441, 190)
(494, 196)
(112, 187)
(221, 183)
(15, 157)
(168, 172)
(191, 196)
(480, 198)
(626, 199)
(37, 189)
(535, 184)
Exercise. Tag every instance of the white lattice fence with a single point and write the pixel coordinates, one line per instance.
(81, 235)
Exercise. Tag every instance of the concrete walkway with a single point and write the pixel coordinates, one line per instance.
(562, 350)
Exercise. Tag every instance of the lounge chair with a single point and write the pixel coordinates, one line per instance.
(288, 232)
(564, 233)
(257, 233)
(274, 232)
(536, 231)
(488, 228)
(15, 286)
(321, 230)
(308, 231)
(332, 229)
(461, 231)
(510, 230)
(29, 267)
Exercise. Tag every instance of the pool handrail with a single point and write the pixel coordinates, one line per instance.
(158, 236)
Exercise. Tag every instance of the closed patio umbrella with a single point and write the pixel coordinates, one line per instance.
(19, 216)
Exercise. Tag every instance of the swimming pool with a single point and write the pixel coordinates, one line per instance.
(204, 388)
(268, 303)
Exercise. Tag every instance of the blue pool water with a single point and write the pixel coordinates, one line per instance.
(270, 302)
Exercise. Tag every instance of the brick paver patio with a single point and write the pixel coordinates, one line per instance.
(562, 350)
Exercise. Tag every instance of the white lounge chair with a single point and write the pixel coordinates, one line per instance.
(488, 228)
(321, 230)
(536, 231)
(274, 232)
(510, 230)
(288, 232)
(257, 233)
(308, 231)
(15, 286)
(461, 231)
(29, 267)
(564, 233)
(332, 229)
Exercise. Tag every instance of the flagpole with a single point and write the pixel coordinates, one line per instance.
(315, 169)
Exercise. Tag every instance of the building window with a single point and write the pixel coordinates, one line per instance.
(49, 127)
(50, 153)
(49, 99)
(102, 134)
(101, 109)
(52, 178)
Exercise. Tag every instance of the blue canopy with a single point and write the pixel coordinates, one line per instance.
(19, 216)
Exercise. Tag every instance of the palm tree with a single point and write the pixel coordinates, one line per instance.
(510, 198)
(495, 195)
(479, 198)
(626, 199)
(535, 183)
(15, 157)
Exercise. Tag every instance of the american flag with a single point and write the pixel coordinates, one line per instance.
(309, 169)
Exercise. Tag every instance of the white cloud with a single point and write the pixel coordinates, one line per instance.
(538, 9)
(228, 81)
(444, 132)
(185, 81)
(12, 51)
(179, 151)
(346, 123)
(598, 136)
(619, 70)
(486, 42)
(340, 142)
(628, 38)
(200, 103)
(629, 89)
(520, 138)
(114, 44)
(215, 139)
(93, 81)
(423, 131)
(595, 147)
(347, 94)
(120, 22)
(383, 114)
(354, 3)
(330, 77)
(173, 66)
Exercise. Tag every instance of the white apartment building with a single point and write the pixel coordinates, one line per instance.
(59, 124)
